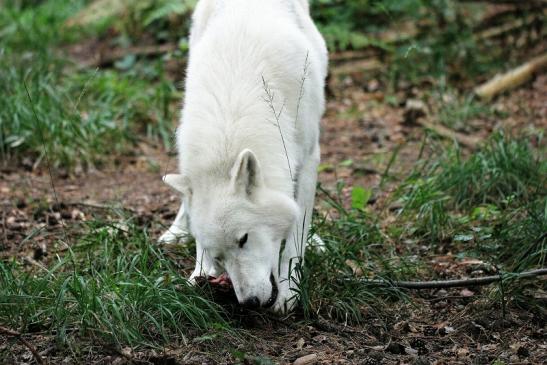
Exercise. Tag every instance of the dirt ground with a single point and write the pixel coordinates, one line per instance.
(437, 327)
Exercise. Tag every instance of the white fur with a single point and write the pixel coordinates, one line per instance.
(250, 121)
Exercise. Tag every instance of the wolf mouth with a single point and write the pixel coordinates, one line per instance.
(275, 292)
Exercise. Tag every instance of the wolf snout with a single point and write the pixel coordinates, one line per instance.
(253, 302)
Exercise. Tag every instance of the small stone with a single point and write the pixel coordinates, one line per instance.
(306, 360)
(466, 293)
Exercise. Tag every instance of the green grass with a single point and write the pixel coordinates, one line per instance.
(75, 117)
(494, 200)
(113, 286)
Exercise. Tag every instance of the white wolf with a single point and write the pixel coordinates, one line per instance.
(248, 144)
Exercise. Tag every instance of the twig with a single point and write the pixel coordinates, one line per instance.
(10, 332)
(108, 58)
(457, 283)
(508, 27)
(270, 101)
(100, 206)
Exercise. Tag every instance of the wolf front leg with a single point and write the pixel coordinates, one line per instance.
(292, 257)
(179, 230)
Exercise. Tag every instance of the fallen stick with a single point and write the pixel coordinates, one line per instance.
(511, 79)
(456, 283)
(465, 140)
(10, 332)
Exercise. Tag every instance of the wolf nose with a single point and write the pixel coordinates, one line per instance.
(252, 303)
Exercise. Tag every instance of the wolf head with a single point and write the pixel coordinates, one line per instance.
(240, 223)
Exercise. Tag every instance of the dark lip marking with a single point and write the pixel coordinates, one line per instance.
(275, 292)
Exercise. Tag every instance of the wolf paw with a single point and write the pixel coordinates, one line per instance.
(174, 235)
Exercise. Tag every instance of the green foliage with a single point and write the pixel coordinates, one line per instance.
(360, 197)
(420, 37)
(350, 24)
(112, 285)
(162, 9)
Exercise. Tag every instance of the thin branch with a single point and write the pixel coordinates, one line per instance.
(456, 283)
(10, 332)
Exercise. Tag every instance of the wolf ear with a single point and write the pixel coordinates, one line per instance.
(246, 175)
(177, 182)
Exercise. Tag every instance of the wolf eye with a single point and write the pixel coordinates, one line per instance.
(243, 239)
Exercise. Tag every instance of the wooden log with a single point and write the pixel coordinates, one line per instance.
(511, 79)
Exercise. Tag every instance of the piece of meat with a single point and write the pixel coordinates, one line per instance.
(223, 280)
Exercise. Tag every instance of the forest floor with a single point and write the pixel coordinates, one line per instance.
(371, 139)
(359, 134)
